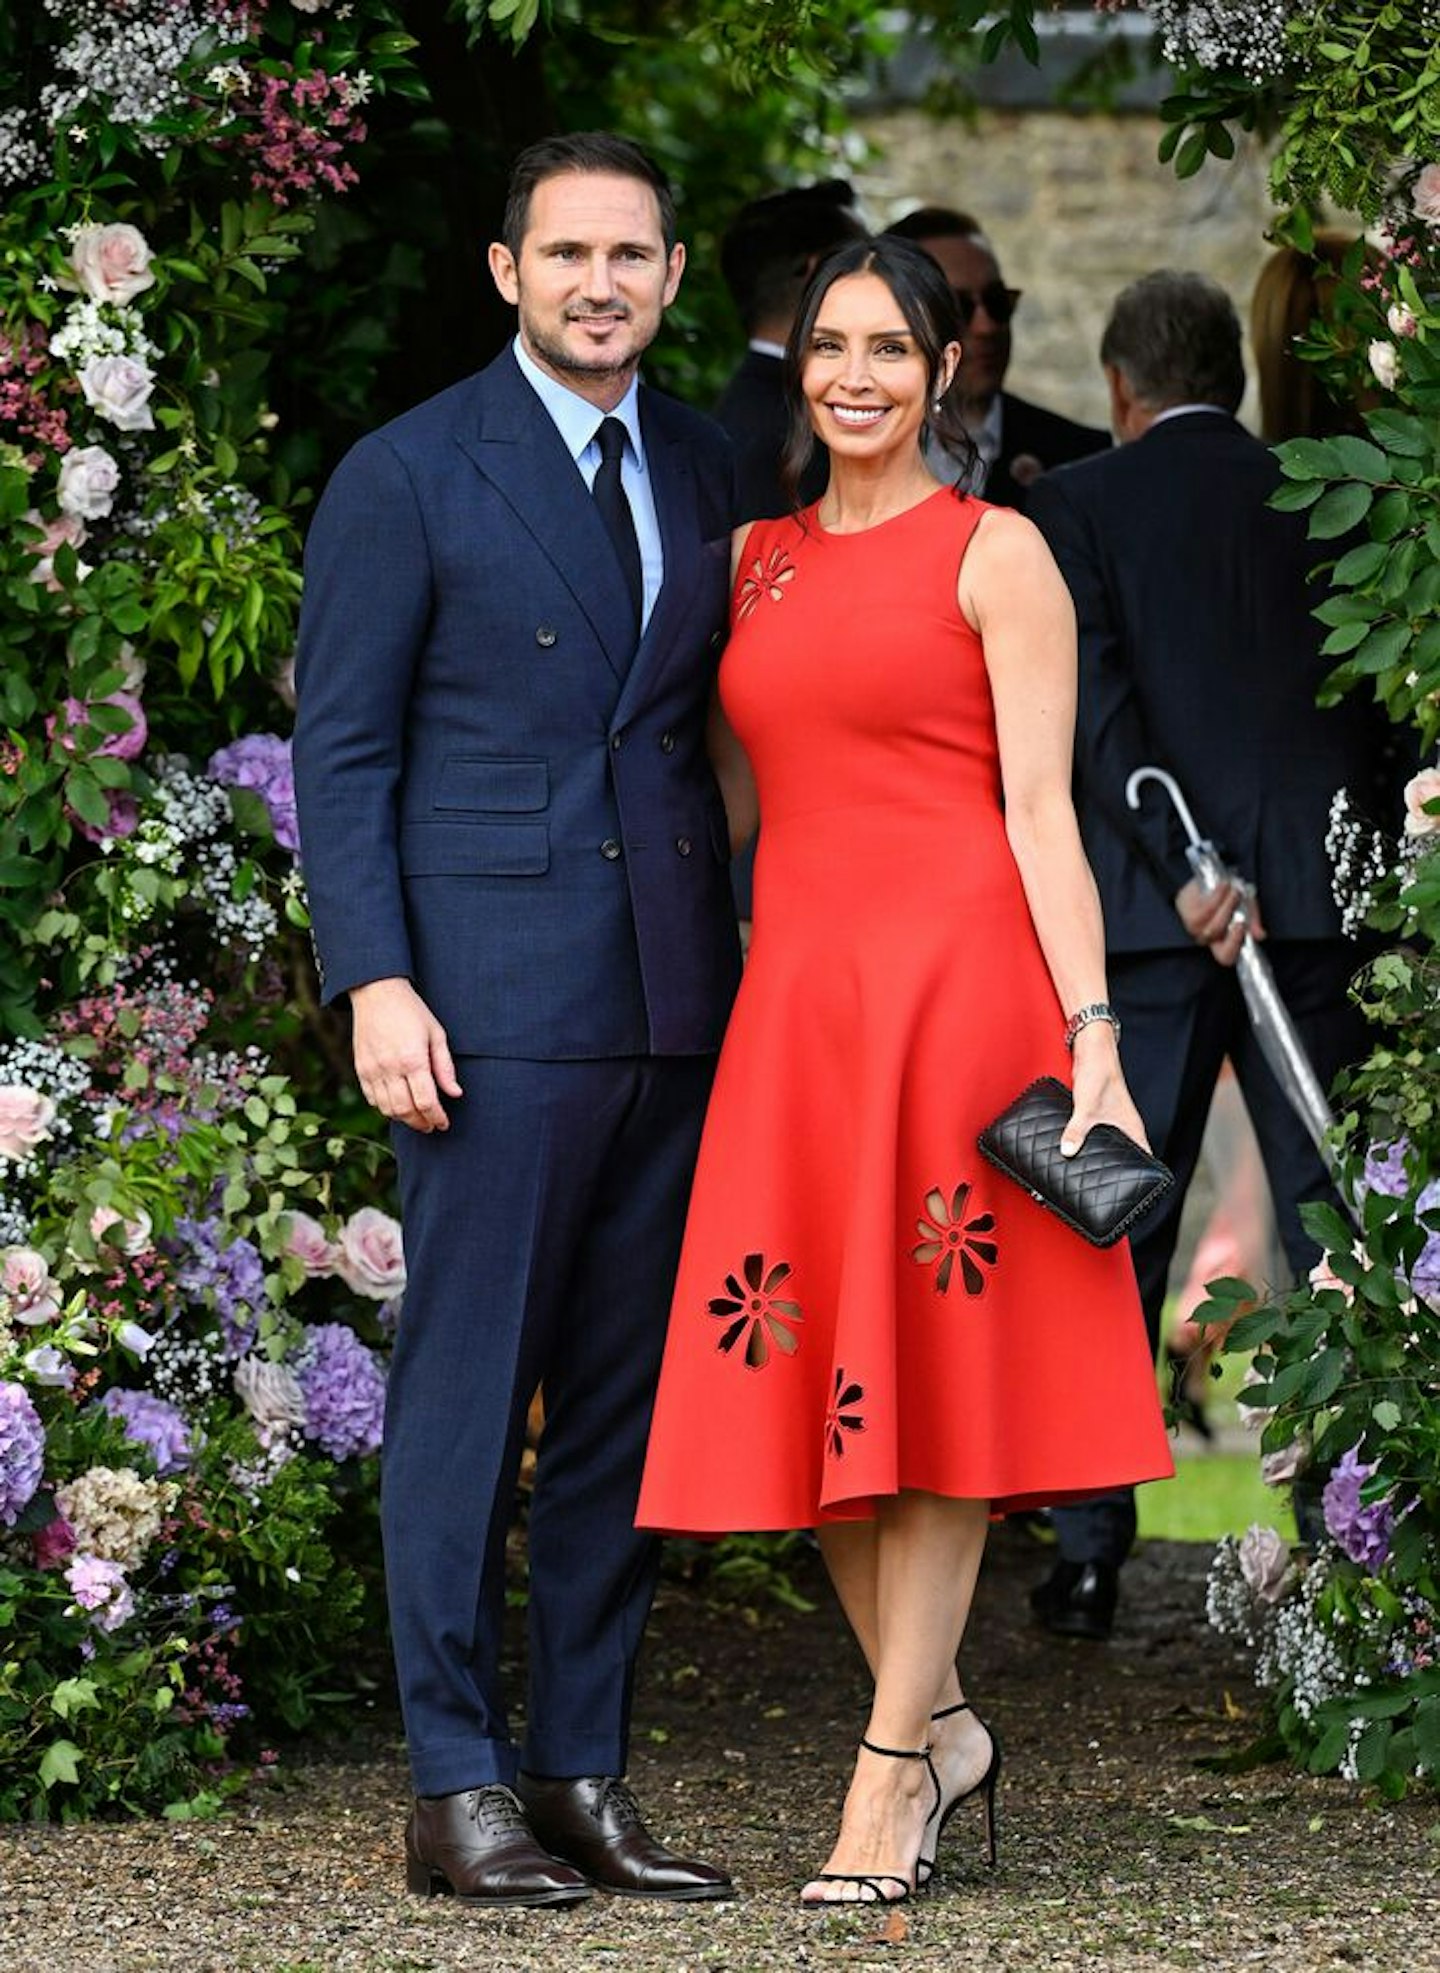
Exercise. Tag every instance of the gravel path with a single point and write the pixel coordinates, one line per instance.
(1117, 1851)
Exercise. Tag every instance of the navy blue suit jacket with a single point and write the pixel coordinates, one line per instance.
(1199, 653)
(499, 798)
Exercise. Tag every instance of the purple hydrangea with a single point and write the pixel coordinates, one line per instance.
(229, 1274)
(344, 1391)
(1362, 1529)
(262, 761)
(153, 1423)
(100, 1587)
(22, 1452)
(1385, 1169)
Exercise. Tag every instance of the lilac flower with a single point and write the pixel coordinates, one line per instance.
(262, 761)
(1361, 1529)
(22, 1452)
(153, 1423)
(344, 1391)
(1385, 1169)
(100, 1587)
(229, 1275)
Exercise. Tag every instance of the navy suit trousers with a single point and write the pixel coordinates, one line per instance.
(1181, 1015)
(542, 1232)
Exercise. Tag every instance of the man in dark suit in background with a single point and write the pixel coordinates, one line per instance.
(516, 859)
(768, 253)
(1199, 654)
(1016, 441)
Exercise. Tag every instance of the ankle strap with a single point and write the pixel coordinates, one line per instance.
(897, 1753)
(946, 1712)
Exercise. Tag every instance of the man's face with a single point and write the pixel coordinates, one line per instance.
(969, 269)
(591, 281)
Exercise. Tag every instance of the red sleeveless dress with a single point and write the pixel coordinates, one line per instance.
(863, 1304)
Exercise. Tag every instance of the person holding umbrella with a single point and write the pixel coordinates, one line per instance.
(1200, 656)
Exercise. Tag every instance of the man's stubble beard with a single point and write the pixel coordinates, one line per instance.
(564, 361)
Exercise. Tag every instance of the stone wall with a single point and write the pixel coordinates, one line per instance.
(1076, 205)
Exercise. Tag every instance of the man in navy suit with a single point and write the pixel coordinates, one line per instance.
(1199, 654)
(516, 858)
(1015, 441)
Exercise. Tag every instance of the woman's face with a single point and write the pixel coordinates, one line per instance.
(864, 373)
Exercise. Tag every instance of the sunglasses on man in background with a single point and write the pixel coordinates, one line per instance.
(995, 298)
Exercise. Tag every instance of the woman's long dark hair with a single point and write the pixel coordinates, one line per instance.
(924, 298)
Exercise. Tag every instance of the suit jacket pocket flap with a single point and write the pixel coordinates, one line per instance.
(493, 783)
(474, 849)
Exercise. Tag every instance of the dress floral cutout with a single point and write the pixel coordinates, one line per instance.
(948, 1236)
(764, 577)
(749, 1308)
(842, 1416)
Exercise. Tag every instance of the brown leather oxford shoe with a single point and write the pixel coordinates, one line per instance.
(478, 1846)
(594, 1823)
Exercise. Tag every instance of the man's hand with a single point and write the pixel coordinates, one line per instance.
(401, 1055)
(1219, 918)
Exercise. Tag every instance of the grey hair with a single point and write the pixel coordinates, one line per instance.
(1176, 339)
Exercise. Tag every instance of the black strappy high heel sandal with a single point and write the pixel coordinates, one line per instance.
(874, 1885)
(942, 1811)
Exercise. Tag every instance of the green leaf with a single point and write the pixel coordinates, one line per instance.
(1360, 564)
(1360, 460)
(1341, 509)
(74, 1695)
(60, 1762)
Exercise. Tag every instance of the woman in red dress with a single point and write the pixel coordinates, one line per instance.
(874, 1334)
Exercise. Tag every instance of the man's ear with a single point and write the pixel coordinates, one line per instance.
(503, 271)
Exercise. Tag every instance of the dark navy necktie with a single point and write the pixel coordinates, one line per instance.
(615, 511)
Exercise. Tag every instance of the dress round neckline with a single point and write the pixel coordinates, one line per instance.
(852, 534)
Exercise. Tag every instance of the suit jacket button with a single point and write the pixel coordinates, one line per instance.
(610, 849)
(682, 844)
(545, 636)
(667, 742)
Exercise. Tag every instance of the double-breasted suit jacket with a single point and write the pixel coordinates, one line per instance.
(501, 799)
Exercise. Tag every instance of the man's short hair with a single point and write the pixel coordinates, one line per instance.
(940, 223)
(769, 247)
(1176, 339)
(583, 150)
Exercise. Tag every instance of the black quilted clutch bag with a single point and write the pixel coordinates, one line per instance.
(1101, 1191)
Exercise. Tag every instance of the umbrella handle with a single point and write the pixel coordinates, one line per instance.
(1172, 788)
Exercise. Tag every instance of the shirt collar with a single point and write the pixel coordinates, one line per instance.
(986, 435)
(576, 419)
(1185, 410)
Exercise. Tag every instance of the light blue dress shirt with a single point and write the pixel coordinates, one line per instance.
(578, 422)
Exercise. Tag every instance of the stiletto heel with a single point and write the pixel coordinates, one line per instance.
(942, 1811)
(872, 1887)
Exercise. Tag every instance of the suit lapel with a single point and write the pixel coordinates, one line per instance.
(516, 447)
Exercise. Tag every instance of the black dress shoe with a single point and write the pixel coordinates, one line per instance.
(1077, 1599)
(479, 1846)
(594, 1823)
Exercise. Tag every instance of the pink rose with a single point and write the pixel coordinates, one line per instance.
(1425, 787)
(133, 1235)
(123, 819)
(307, 1241)
(1425, 195)
(112, 263)
(25, 1118)
(1402, 319)
(371, 1259)
(53, 1543)
(30, 1292)
(66, 530)
(127, 745)
(119, 388)
(1265, 1564)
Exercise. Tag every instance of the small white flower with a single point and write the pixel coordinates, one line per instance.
(130, 1336)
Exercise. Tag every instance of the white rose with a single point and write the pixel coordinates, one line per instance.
(112, 263)
(1265, 1563)
(371, 1259)
(1278, 1469)
(119, 388)
(1403, 321)
(270, 1393)
(88, 479)
(1425, 195)
(25, 1118)
(1384, 363)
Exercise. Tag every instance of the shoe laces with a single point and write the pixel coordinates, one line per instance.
(616, 1797)
(497, 1813)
